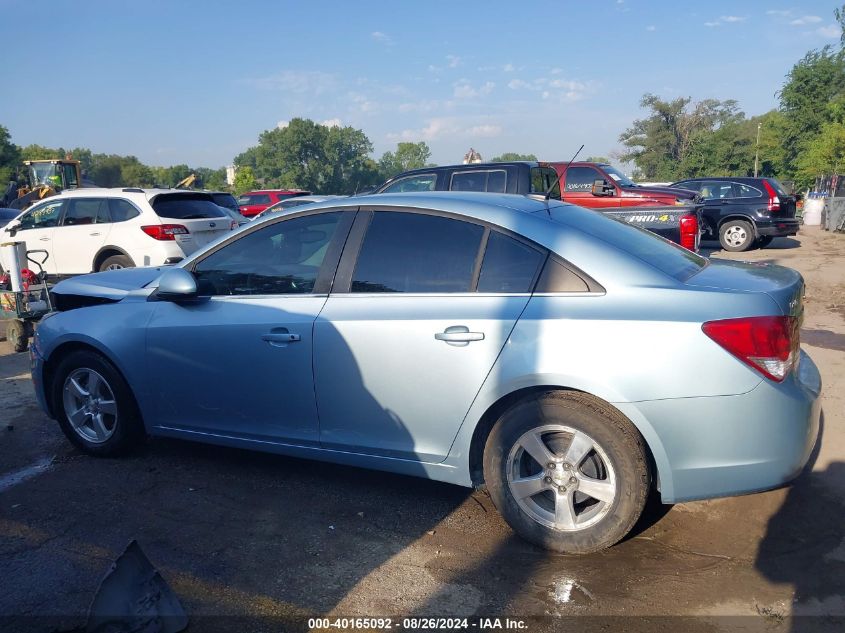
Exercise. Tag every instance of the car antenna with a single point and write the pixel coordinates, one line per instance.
(557, 180)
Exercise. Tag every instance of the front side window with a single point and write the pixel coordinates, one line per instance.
(281, 259)
(581, 179)
(409, 252)
(85, 211)
(420, 182)
(42, 217)
(509, 265)
(254, 199)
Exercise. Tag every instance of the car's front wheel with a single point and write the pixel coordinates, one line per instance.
(567, 472)
(736, 236)
(94, 405)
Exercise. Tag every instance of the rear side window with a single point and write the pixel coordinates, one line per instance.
(419, 182)
(509, 265)
(746, 191)
(408, 252)
(122, 210)
(493, 181)
(542, 178)
(186, 207)
(85, 211)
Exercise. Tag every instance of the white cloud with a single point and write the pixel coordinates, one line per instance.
(451, 127)
(733, 18)
(717, 23)
(282, 124)
(297, 81)
(783, 13)
(651, 27)
(806, 19)
(831, 31)
(485, 131)
(362, 103)
(454, 61)
(519, 84)
(508, 68)
(383, 38)
(463, 89)
(332, 122)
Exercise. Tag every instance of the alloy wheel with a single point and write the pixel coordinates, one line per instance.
(89, 405)
(736, 236)
(561, 477)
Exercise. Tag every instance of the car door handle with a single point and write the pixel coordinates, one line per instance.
(280, 337)
(94, 234)
(44, 239)
(458, 335)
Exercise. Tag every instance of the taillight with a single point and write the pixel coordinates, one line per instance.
(769, 344)
(774, 201)
(689, 231)
(164, 232)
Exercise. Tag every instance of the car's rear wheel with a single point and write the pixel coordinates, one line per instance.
(94, 405)
(764, 241)
(116, 262)
(736, 236)
(567, 472)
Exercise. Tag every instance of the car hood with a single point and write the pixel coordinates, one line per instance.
(113, 285)
(784, 285)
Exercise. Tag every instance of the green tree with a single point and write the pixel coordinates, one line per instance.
(133, 173)
(10, 158)
(511, 156)
(244, 180)
(307, 155)
(597, 159)
(659, 143)
(407, 156)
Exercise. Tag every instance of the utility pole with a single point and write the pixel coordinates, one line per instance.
(757, 150)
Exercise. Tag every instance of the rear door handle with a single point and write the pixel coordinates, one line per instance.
(458, 335)
(93, 234)
(44, 239)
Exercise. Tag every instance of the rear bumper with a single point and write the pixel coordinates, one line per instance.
(779, 228)
(730, 445)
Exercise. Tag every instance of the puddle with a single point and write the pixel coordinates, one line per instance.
(12, 479)
(824, 338)
(567, 591)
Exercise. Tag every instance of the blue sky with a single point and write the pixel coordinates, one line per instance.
(196, 82)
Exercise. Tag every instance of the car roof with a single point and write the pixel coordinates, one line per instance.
(247, 193)
(724, 179)
(125, 192)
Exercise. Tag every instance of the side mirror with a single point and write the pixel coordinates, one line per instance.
(602, 188)
(177, 285)
(12, 227)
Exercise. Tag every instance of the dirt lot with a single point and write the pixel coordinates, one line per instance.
(238, 533)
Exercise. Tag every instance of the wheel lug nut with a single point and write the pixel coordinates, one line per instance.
(548, 480)
(567, 467)
(562, 489)
(572, 480)
(552, 465)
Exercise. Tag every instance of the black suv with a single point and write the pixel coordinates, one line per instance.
(744, 212)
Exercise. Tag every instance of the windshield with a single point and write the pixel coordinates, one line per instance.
(44, 174)
(618, 176)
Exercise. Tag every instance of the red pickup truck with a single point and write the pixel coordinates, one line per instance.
(599, 185)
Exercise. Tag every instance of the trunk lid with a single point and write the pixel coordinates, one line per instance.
(784, 285)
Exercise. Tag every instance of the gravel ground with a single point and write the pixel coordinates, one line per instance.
(244, 534)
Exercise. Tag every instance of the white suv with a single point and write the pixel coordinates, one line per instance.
(90, 230)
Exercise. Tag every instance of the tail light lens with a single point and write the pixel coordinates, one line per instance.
(774, 201)
(164, 232)
(769, 344)
(689, 232)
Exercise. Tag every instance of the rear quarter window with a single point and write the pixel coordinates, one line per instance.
(186, 207)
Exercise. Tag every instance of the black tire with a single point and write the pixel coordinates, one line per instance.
(764, 241)
(116, 262)
(621, 444)
(736, 236)
(126, 427)
(16, 335)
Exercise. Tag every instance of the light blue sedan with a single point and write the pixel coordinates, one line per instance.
(567, 361)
